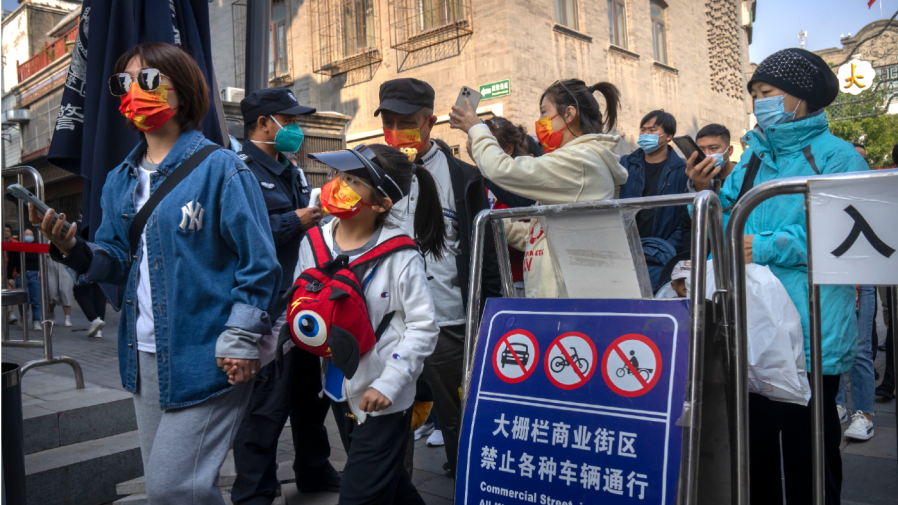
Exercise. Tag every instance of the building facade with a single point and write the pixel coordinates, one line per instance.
(688, 57)
(38, 38)
(881, 52)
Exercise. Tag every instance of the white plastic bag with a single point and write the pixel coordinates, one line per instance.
(776, 359)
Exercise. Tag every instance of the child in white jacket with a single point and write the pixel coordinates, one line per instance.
(373, 409)
(579, 166)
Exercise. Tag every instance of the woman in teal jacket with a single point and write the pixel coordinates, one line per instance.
(790, 89)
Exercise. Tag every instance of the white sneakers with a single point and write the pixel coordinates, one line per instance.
(423, 431)
(436, 439)
(95, 326)
(68, 321)
(861, 428)
(843, 414)
(36, 326)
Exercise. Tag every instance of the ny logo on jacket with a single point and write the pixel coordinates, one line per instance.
(192, 215)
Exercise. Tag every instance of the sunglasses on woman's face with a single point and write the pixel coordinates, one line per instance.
(148, 79)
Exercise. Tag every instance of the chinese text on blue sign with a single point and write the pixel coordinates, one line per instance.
(575, 402)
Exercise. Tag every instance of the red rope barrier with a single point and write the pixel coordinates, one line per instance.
(25, 247)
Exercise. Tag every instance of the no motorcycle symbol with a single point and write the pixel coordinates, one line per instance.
(632, 365)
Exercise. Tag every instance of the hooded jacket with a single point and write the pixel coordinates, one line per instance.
(585, 169)
(803, 147)
(398, 285)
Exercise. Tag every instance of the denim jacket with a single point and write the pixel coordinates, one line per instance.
(213, 268)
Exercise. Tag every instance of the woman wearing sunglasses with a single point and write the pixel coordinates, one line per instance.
(579, 165)
(196, 289)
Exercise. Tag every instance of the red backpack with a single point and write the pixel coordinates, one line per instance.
(327, 314)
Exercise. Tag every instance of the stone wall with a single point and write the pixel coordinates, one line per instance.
(520, 41)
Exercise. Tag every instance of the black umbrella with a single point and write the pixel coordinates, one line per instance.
(91, 138)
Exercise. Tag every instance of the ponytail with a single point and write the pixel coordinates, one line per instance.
(574, 93)
(612, 103)
(430, 228)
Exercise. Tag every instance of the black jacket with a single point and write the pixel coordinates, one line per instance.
(284, 191)
(470, 199)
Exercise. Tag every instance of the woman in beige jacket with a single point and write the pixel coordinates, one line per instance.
(579, 165)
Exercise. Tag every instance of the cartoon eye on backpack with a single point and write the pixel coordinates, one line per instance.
(327, 314)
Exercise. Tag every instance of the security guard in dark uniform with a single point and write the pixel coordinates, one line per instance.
(270, 116)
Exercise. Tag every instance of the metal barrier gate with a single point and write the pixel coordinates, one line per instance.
(736, 246)
(20, 296)
(707, 218)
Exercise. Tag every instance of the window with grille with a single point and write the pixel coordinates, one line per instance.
(659, 31)
(278, 60)
(344, 35)
(566, 13)
(617, 22)
(277, 64)
(418, 24)
(238, 18)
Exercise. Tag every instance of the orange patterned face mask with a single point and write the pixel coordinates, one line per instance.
(148, 110)
(404, 138)
(340, 200)
(550, 140)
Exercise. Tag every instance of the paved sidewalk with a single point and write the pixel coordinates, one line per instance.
(869, 468)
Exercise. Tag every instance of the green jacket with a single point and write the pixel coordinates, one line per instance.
(803, 147)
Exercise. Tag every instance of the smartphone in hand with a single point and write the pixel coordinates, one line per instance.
(472, 95)
(19, 191)
(688, 146)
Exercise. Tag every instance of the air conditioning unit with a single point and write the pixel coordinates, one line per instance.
(233, 94)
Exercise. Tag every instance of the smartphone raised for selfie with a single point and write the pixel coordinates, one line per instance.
(688, 146)
(19, 191)
(472, 96)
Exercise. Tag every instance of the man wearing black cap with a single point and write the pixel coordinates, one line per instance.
(406, 109)
(270, 116)
(790, 89)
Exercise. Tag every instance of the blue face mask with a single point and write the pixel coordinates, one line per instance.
(648, 142)
(28, 238)
(771, 111)
(718, 157)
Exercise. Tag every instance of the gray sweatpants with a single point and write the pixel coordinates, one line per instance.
(183, 449)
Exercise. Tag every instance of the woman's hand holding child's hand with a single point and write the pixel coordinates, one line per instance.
(239, 370)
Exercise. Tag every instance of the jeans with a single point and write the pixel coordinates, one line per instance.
(34, 295)
(863, 382)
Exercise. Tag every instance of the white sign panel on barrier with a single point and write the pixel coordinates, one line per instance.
(854, 232)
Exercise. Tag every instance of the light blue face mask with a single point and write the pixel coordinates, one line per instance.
(718, 157)
(648, 142)
(771, 111)
(28, 238)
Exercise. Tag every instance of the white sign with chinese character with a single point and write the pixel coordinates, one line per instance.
(854, 239)
(856, 76)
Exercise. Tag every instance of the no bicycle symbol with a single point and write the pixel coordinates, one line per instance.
(570, 361)
(631, 365)
(515, 356)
